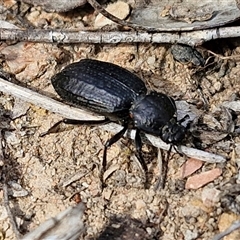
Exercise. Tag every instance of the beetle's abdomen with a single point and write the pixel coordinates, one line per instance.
(99, 86)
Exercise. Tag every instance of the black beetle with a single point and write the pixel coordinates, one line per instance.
(120, 96)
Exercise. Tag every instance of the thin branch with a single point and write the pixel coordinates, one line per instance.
(234, 105)
(66, 225)
(233, 227)
(10, 215)
(76, 113)
(45, 102)
(192, 38)
(5, 191)
(237, 56)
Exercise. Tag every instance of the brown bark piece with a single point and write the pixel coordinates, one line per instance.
(189, 167)
(202, 179)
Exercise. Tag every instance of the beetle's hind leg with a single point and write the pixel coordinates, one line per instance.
(52, 129)
(56, 126)
(85, 122)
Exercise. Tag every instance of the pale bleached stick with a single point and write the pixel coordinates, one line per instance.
(192, 38)
(157, 142)
(234, 105)
(76, 113)
(66, 225)
(235, 225)
(46, 102)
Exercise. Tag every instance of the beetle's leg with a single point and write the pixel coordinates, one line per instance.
(163, 168)
(138, 144)
(108, 144)
(85, 122)
(52, 129)
(55, 127)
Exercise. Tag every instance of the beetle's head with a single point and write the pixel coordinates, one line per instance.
(173, 132)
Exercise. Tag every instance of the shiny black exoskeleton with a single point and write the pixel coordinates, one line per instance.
(120, 96)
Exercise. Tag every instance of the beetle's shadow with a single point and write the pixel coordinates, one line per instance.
(125, 227)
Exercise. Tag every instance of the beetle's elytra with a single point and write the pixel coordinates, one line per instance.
(101, 87)
(121, 96)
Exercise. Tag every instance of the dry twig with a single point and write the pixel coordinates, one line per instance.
(235, 57)
(233, 227)
(66, 225)
(9, 212)
(192, 38)
(45, 102)
(5, 193)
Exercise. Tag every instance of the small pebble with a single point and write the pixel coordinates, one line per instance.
(16, 190)
(149, 230)
(210, 196)
(190, 235)
(140, 204)
(119, 9)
